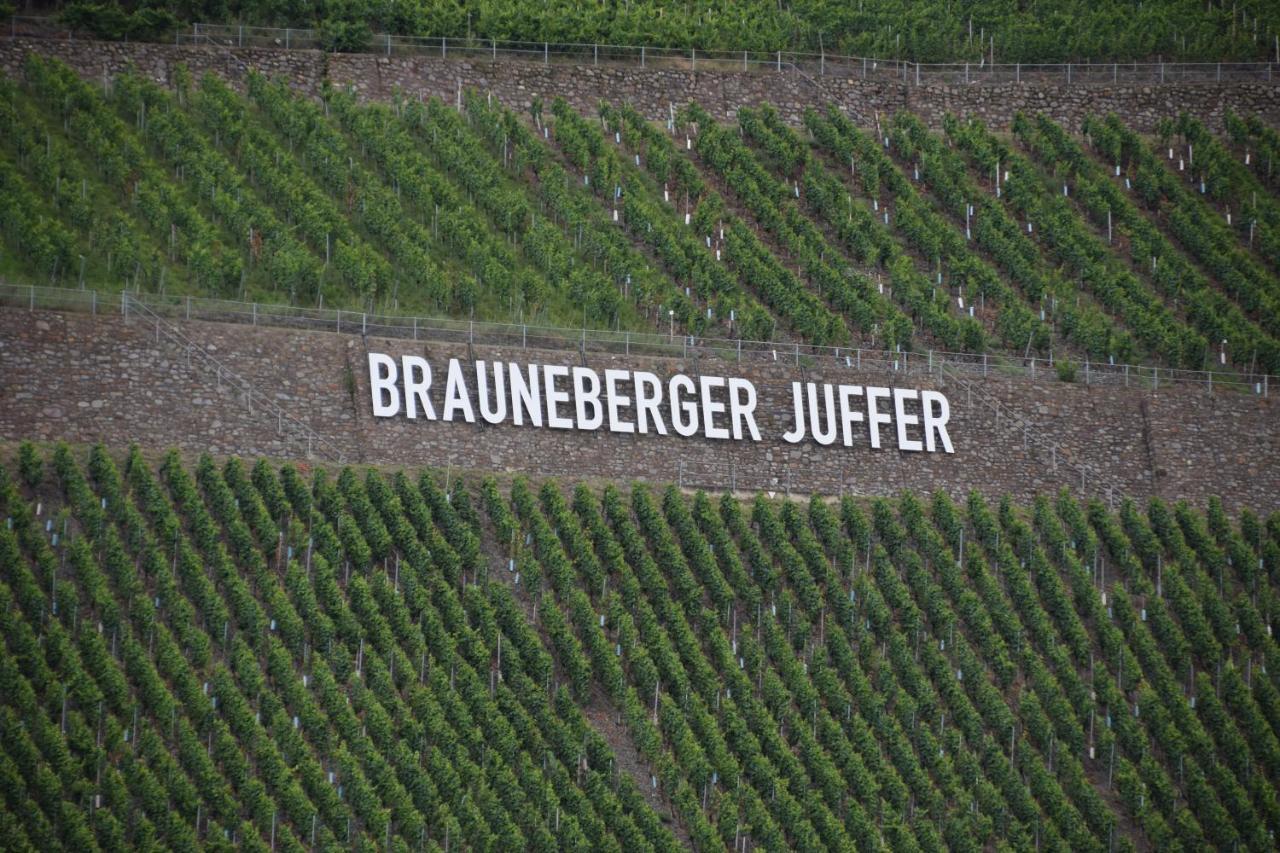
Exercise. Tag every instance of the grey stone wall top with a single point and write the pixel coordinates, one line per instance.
(78, 378)
(652, 90)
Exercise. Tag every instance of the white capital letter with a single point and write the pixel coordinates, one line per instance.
(555, 397)
(900, 396)
(525, 396)
(456, 397)
(617, 401)
(848, 414)
(382, 385)
(648, 399)
(415, 389)
(797, 434)
(822, 436)
(936, 422)
(688, 408)
(874, 416)
(586, 395)
(711, 408)
(742, 406)
(499, 411)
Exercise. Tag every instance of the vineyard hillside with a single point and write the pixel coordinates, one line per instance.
(1111, 247)
(242, 655)
(918, 30)
(641, 426)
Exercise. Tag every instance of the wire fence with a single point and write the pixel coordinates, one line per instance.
(286, 423)
(965, 371)
(819, 64)
(725, 351)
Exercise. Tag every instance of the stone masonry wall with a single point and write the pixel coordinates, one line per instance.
(85, 379)
(101, 60)
(652, 90)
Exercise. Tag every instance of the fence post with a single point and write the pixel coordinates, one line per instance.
(595, 54)
(917, 73)
(1219, 72)
(32, 303)
(188, 307)
(546, 53)
(779, 60)
(1161, 72)
(1068, 73)
(286, 38)
(255, 313)
(642, 56)
(388, 44)
(364, 322)
(693, 56)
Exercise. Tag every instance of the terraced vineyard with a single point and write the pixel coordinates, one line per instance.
(1111, 247)
(241, 656)
(922, 30)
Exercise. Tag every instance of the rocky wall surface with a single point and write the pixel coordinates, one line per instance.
(102, 60)
(1141, 106)
(653, 91)
(79, 378)
(655, 88)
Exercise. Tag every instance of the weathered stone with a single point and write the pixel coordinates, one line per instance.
(652, 90)
(1179, 442)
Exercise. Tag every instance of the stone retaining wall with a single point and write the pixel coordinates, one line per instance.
(652, 90)
(84, 379)
(99, 60)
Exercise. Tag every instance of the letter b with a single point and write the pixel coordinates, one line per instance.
(382, 385)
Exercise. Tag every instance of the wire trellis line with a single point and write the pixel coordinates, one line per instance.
(985, 71)
(582, 342)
